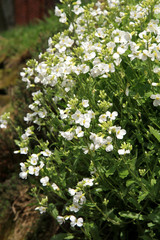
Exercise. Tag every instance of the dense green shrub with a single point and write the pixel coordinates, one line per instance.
(93, 140)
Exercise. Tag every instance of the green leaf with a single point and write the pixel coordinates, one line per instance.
(57, 157)
(110, 171)
(142, 196)
(131, 215)
(150, 225)
(62, 236)
(123, 173)
(155, 133)
(155, 216)
(91, 230)
(53, 210)
(17, 142)
(129, 182)
(153, 182)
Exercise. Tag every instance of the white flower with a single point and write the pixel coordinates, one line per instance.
(71, 191)
(123, 151)
(85, 103)
(77, 116)
(111, 46)
(3, 124)
(109, 146)
(120, 132)
(41, 165)
(154, 84)
(24, 150)
(36, 171)
(121, 50)
(84, 68)
(112, 129)
(23, 175)
(68, 41)
(79, 198)
(85, 120)
(34, 159)
(156, 69)
(89, 56)
(46, 153)
(44, 180)
(31, 170)
(98, 141)
(67, 135)
(127, 91)
(157, 9)
(87, 182)
(85, 150)
(63, 18)
(61, 48)
(91, 114)
(28, 132)
(77, 9)
(112, 116)
(58, 12)
(23, 167)
(79, 132)
(55, 187)
(102, 118)
(100, 32)
(75, 207)
(60, 219)
(42, 114)
(156, 98)
(41, 209)
(75, 221)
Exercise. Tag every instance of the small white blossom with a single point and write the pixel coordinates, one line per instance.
(58, 12)
(79, 132)
(67, 135)
(120, 132)
(156, 98)
(77, 9)
(63, 18)
(60, 219)
(154, 84)
(41, 209)
(44, 180)
(102, 118)
(75, 207)
(112, 116)
(85, 103)
(46, 153)
(87, 182)
(79, 198)
(55, 187)
(71, 191)
(24, 150)
(23, 175)
(123, 151)
(76, 222)
(109, 146)
(34, 159)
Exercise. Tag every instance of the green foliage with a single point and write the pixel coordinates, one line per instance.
(93, 140)
(62, 236)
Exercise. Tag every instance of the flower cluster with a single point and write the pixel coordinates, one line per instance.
(4, 120)
(89, 118)
(79, 200)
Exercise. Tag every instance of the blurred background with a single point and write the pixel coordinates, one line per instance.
(20, 12)
(25, 26)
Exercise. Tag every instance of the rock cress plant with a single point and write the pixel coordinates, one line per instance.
(92, 144)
